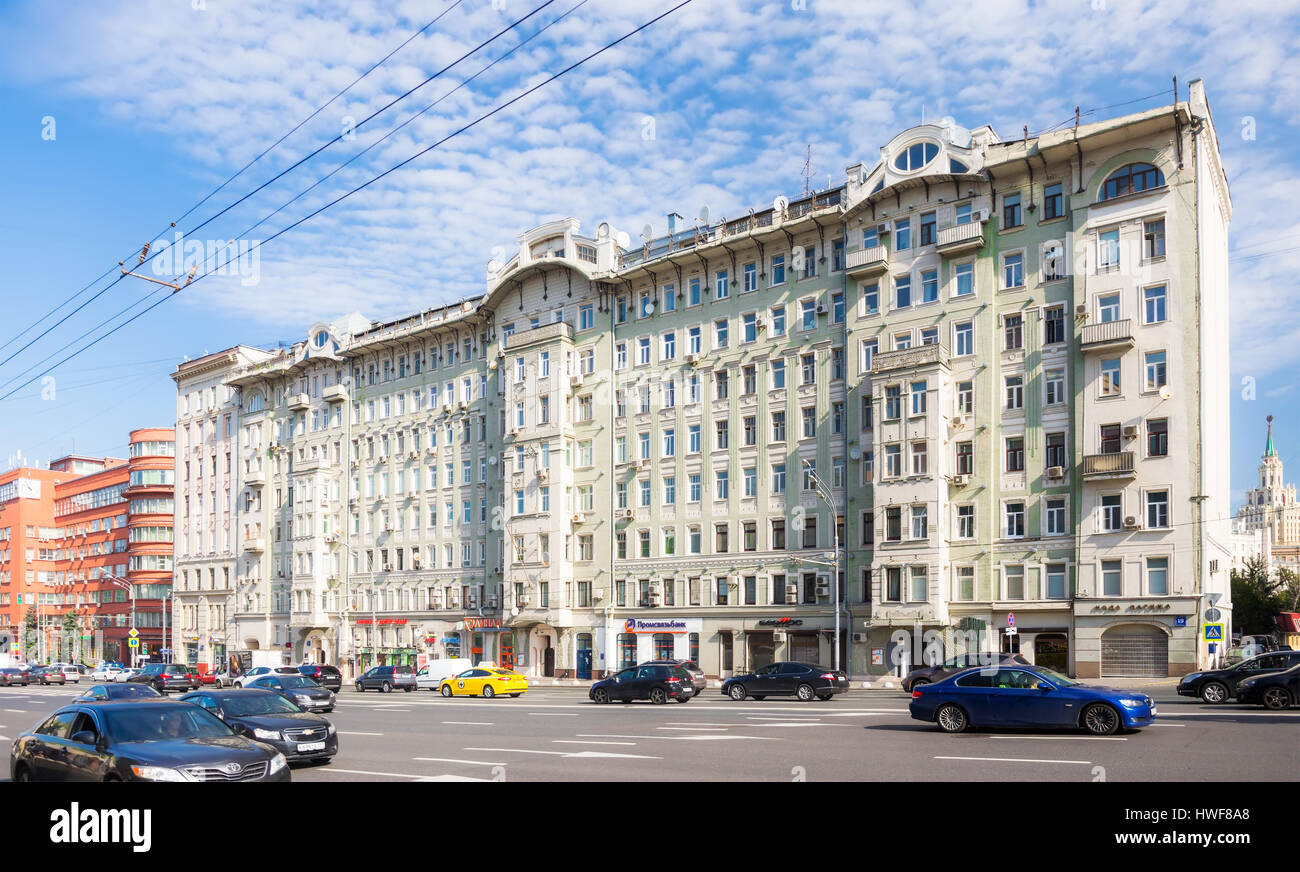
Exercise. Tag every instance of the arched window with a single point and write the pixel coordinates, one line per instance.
(255, 402)
(1130, 180)
(915, 156)
(956, 166)
(879, 185)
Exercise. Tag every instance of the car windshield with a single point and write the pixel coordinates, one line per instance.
(149, 723)
(119, 691)
(1056, 677)
(297, 681)
(257, 704)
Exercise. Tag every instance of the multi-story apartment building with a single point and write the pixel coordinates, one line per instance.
(1271, 507)
(972, 389)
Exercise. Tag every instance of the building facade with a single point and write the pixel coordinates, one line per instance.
(971, 390)
(1271, 506)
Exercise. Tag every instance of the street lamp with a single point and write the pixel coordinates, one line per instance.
(130, 588)
(829, 499)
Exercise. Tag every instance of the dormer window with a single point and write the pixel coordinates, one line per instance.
(1132, 179)
(915, 156)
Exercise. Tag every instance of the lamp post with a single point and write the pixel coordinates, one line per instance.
(829, 499)
(130, 588)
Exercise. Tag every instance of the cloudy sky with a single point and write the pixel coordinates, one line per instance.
(119, 117)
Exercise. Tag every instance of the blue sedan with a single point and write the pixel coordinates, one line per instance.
(999, 696)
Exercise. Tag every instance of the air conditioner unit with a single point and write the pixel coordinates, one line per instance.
(961, 479)
(388, 529)
(882, 229)
(692, 359)
(446, 407)
(823, 589)
(542, 475)
(1056, 472)
(1131, 522)
(492, 601)
(388, 567)
(523, 601)
(859, 637)
(760, 323)
(464, 404)
(331, 539)
(792, 592)
(1130, 432)
(579, 518)
(414, 455)
(655, 597)
(625, 514)
(575, 380)
(821, 308)
(958, 421)
(431, 451)
(1081, 309)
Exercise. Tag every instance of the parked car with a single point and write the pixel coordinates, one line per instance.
(46, 675)
(805, 681)
(70, 672)
(1028, 697)
(296, 688)
(1260, 643)
(127, 674)
(1221, 685)
(168, 676)
(698, 682)
(385, 678)
(323, 674)
(106, 673)
(1274, 690)
(655, 682)
(11, 675)
(484, 682)
(101, 692)
(432, 673)
(268, 717)
(140, 740)
(939, 671)
(258, 671)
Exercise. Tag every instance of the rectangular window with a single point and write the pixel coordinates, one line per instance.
(964, 273)
(902, 234)
(809, 261)
(929, 226)
(965, 583)
(809, 414)
(1056, 449)
(720, 333)
(1054, 512)
(1011, 211)
(918, 394)
(1053, 202)
(1054, 382)
(1015, 520)
(965, 458)
(1110, 381)
(1054, 325)
(1158, 437)
(893, 524)
(1112, 577)
(1016, 454)
(1157, 509)
(808, 314)
(1153, 239)
(929, 286)
(1156, 372)
(919, 523)
(778, 426)
(965, 522)
(1014, 576)
(1158, 576)
(1112, 508)
(1056, 581)
(693, 298)
(1013, 270)
(721, 285)
(920, 584)
(965, 398)
(902, 292)
(964, 338)
(778, 269)
(1108, 249)
(871, 299)
(751, 278)
(1154, 304)
(1015, 385)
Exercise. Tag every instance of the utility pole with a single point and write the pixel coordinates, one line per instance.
(807, 170)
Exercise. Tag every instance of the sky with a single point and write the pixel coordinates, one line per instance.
(117, 118)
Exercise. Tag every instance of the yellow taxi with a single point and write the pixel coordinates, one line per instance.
(484, 681)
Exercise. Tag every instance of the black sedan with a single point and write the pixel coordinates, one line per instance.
(657, 683)
(268, 717)
(10, 676)
(297, 689)
(698, 680)
(922, 675)
(140, 740)
(805, 681)
(102, 692)
(1275, 690)
(1221, 685)
(325, 675)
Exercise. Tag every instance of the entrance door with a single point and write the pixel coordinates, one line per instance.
(1052, 651)
(804, 648)
(548, 660)
(1134, 651)
(507, 651)
(584, 657)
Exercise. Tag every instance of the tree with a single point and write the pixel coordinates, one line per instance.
(1289, 589)
(1257, 597)
(71, 635)
(29, 631)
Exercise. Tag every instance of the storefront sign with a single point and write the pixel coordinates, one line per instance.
(636, 626)
(482, 623)
(877, 656)
(382, 621)
(781, 622)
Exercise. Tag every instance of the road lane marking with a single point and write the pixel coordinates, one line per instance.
(676, 738)
(18, 711)
(455, 760)
(612, 754)
(356, 733)
(471, 723)
(1067, 738)
(1166, 725)
(520, 751)
(701, 727)
(1016, 760)
(551, 715)
(368, 772)
(587, 742)
(701, 724)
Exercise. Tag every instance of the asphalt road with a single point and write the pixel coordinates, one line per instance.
(555, 734)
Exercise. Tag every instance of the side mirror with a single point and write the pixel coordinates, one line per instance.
(84, 737)
(1043, 685)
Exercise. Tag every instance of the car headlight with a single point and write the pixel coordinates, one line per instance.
(159, 773)
(303, 699)
(1192, 677)
(266, 734)
(277, 763)
(331, 730)
(1132, 703)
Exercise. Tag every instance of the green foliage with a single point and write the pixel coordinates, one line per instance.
(1257, 597)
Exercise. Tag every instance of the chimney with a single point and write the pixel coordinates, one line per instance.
(672, 223)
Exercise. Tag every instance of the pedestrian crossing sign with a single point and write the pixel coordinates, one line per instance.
(1213, 632)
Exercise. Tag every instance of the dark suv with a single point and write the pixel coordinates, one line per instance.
(1220, 685)
(939, 671)
(655, 682)
(385, 678)
(326, 676)
(168, 676)
(697, 674)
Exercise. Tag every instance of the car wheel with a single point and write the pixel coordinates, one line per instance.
(951, 718)
(361, 688)
(446, 690)
(658, 695)
(385, 688)
(1100, 719)
(825, 697)
(516, 695)
(1277, 698)
(1214, 692)
(737, 692)
(600, 696)
(240, 685)
(915, 684)
(805, 692)
(757, 696)
(408, 689)
(488, 692)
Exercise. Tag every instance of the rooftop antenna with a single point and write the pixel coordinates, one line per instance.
(807, 170)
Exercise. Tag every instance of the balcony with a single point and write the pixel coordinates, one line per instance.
(255, 478)
(1107, 336)
(867, 261)
(299, 402)
(1101, 467)
(909, 358)
(312, 464)
(253, 544)
(335, 394)
(961, 238)
(556, 330)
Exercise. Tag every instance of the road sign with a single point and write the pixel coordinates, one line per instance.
(134, 632)
(1213, 632)
(1011, 631)
(1180, 622)
(1212, 615)
(1214, 598)
(1011, 619)
(133, 643)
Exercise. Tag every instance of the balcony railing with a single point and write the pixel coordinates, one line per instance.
(961, 237)
(867, 260)
(335, 394)
(1107, 335)
(298, 402)
(906, 358)
(1115, 465)
(556, 330)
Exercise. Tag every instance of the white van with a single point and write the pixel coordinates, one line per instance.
(432, 673)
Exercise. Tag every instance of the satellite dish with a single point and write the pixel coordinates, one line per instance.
(780, 204)
(647, 233)
(648, 307)
(1165, 393)
(855, 454)
(623, 239)
(704, 215)
(492, 461)
(494, 267)
(514, 612)
(602, 231)
(492, 364)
